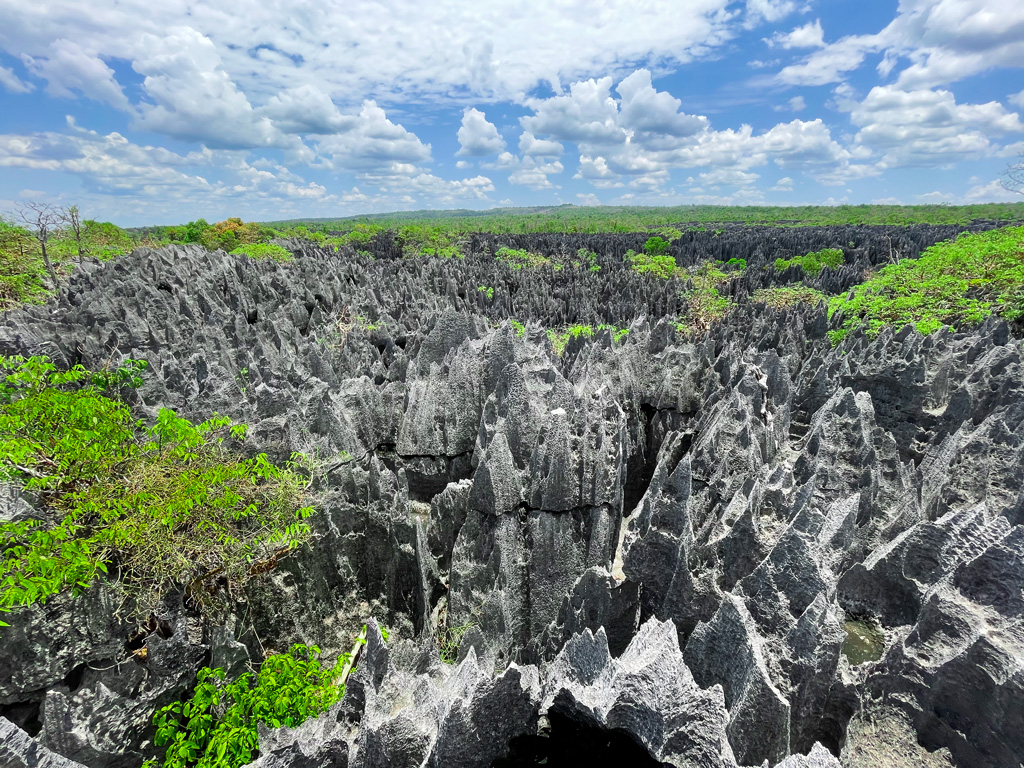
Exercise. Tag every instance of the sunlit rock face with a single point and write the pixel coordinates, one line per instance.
(738, 548)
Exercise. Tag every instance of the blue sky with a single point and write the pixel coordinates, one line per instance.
(147, 113)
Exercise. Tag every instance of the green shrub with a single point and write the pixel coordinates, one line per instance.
(164, 505)
(655, 246)
(662, 267)
(261, 251)
(586, 259)
(487, 290)
(519, 328)
(217, 726)
(813, 262)
(522, 259)
(705, 306)
(955, 283)
(788, 296)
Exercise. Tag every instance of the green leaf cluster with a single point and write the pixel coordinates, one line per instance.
(518, 258)
(813, 262)
(150, 506)
(660, 266)
(955, 283)
(787, 296)
(217, 726)
(262, 251)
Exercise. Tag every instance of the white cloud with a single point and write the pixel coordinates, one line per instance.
(454, 51)
(107, 163)
(1017, 99)
(942, 41)
(927, 128)
(727, 177)
(305, 109)
(810, 35)
(531, 145)
(650, 113)
(534, 174)
(374, 144)
(993, 192)
(68, 67)
(588, 113)
(588, 198)
(194, 98)
(477, 136)
(795, 104)
(785, 184)
(12, 83)
(769, 10)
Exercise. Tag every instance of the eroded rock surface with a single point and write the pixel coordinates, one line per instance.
(654, 540)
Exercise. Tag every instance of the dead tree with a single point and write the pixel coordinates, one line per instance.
(42, 221)
(74, 221)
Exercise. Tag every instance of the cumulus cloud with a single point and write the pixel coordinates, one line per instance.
(305, 109)
(808, 36)
(534, 173)
(67, 67)
(785, 184)
(1017, 99)
(531, 145)
(194, 98)
(12, 83)
(937, 41)
(769, 10)
(493, 50)
(926, 127)
(374, 144)
(477, 136)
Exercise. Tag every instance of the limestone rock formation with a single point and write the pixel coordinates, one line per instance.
(742, 548)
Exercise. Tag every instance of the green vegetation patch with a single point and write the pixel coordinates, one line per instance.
(217, 726)
(955, 283)
(149, 506)
(262, 251)
(787, 296)
(662, 267)
(518, 258)
(813, 262)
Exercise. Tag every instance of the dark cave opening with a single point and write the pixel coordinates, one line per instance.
(570, 742)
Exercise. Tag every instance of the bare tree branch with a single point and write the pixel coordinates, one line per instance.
(42, 220)
(74, 220)
(1013, 178)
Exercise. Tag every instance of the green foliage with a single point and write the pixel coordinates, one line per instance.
(788, 296)
(593, 219)
(736, 265)
(217, 726)
(560, 338)
(586, 259)
(449, 639)
(813, 262)
(522, 259)
(519, 328)
(261, 251)
(655, 246)
(424, 241)
(487, 290)
(662, 267)
(705, 306)
(955, 283)
(152, 506)
(668, 233)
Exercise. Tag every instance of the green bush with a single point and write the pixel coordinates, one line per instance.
(521, 259)
(261, 251)
(662, 267)
(788, 296)
(955, 283)
(152, 506)
(655, 246)
(217, 726)
(813, 262)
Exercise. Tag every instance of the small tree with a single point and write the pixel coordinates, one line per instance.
(42, 221)
(1013, 178)
(73, 220)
